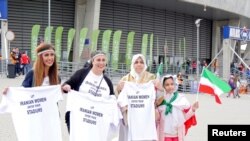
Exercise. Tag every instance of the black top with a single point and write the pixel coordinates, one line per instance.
(78, 77)
(28, 80)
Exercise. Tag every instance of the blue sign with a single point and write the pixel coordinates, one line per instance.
(236, 33)
(3, 10)
(86, 42)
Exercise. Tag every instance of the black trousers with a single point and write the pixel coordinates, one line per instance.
(67, 120)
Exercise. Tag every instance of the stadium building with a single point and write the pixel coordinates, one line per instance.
(170, 21)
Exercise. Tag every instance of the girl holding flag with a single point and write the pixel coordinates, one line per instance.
(176, 114)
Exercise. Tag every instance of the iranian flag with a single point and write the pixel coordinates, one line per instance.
(159, 71)
(211, 84)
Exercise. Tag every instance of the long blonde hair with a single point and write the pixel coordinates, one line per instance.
(39, 69)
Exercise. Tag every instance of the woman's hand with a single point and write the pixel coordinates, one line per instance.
(120, 86)
(5, 90)
(159, 100)
(195, 106)
(158, 85)
(66, 88)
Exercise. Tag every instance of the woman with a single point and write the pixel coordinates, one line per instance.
(176, 114)
(90, 79)
(138, 74)
(42, 108)
(44, 71)
(45, 68)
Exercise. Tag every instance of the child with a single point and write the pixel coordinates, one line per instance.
(176, 114)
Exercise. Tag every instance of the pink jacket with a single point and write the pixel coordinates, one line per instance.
(182, 130)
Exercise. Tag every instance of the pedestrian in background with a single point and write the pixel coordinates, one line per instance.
(237, 88)
(25, 61)
(232, 84)
(215, 65)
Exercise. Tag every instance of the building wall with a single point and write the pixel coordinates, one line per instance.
(23, 14)
(165, 25)
(240, 7)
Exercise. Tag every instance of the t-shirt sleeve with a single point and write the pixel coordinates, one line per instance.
(116, 115)
(69, 103)
(59, 95)
(4, 108)
(122, 98)
(6, 105)
(154, 96)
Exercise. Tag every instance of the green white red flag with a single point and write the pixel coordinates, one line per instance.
(211, 84)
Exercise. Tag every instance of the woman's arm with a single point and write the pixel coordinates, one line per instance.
(28, 80)
(74, 81)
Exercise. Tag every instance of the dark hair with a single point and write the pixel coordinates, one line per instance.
(165, 78)
(43, 47)
(93, 54)
(97, 52)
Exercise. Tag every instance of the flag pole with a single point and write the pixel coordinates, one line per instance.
(199, 85)
(240, 58)
(214, 58)
(203, 71)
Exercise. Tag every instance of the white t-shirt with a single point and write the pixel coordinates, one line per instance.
(45, 81)
(91, 118)
(174, 120)
(34, 112)
(141, 113)
(92, 82)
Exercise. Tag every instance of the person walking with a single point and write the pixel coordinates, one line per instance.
(237, 88)
(232, 84)
(25, 61)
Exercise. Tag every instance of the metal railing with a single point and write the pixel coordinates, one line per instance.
(3, 68)
(67, 69)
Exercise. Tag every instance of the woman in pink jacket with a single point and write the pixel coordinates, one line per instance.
(176, 114)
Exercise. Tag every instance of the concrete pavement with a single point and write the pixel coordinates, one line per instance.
(231, 111)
